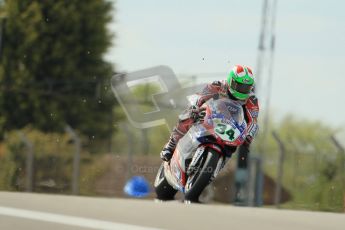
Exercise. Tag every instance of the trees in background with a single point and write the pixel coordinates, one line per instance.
(52, 69)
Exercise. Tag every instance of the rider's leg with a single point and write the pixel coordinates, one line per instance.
(178, 132)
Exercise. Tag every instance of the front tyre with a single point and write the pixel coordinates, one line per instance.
(163, 189)
(202, 176)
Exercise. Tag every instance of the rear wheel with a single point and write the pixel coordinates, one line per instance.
(163, 189)
(202, 176)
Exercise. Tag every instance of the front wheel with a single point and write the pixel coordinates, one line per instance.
(163, 189)
(202, 176)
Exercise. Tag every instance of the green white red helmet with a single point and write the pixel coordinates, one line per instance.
(241, 82)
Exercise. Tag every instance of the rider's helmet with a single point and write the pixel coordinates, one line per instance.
(240, 82)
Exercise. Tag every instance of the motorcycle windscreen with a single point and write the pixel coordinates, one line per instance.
(227, 120)
(227, 110)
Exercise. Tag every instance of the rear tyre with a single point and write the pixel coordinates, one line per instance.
(163, 189)
(202, 177)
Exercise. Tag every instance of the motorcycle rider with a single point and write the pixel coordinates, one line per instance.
(238, 87)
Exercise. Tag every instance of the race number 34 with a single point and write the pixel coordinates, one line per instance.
(225, 129)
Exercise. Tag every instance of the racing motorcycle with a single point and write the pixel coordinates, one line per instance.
(203, 151)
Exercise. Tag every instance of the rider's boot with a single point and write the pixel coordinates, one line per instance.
(168, 149)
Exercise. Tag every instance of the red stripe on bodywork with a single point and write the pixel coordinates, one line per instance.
(183, 174)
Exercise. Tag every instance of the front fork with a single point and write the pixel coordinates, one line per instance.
(220, 165)
(197, 158)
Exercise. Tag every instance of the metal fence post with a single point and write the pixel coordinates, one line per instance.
(297, 154)
(130, 148)
(144, 142)
(342, 157)
(29, 162)
(277, 197)
(255, 181)
(76, 159)
(342, 152)
(242, 177)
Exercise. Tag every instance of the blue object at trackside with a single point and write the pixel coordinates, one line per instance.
(137, 186)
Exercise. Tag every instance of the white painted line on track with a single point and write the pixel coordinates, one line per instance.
(67, 220)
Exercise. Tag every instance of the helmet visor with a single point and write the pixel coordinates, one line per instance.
(240, 87)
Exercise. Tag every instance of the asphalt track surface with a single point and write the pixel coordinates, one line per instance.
(39, 211)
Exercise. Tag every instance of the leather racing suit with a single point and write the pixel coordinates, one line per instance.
(250, 107)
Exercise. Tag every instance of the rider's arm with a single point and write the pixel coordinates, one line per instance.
(252, 112)
(208, 92)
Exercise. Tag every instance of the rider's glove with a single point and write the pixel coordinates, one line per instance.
(248, 140)
(196, 112)
(252, 131)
